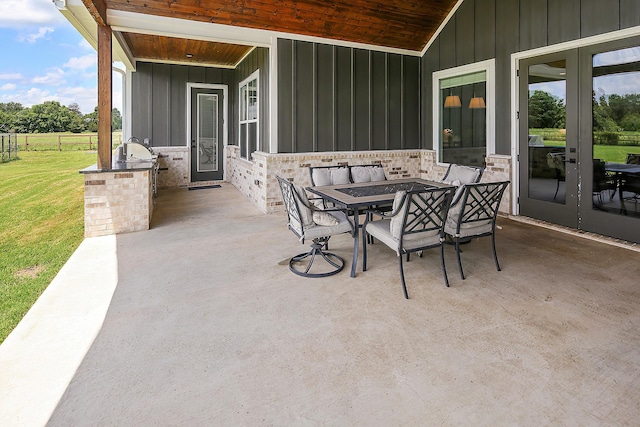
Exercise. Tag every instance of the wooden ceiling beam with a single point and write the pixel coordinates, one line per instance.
(97, 9)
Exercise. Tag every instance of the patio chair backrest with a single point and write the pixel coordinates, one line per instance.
(633, 159)
(297, 206)
(329, 175)
(477, 211)
(366, 173)
(460, 174)
(420, 213)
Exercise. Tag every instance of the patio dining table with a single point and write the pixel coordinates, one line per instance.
(621, 170)
(362, 196)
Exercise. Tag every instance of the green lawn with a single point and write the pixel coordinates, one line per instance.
(41, 225)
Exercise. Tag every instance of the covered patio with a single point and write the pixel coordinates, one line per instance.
(215, 330)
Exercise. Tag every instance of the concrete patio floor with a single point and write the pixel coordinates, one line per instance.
(207, 326)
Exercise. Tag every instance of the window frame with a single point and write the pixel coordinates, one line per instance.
(245, 83)
(487, 66)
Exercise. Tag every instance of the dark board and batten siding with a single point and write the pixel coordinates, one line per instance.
(333, 98)
(159, 98)
(486, 29)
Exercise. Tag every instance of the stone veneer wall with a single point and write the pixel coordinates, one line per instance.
(257, 179)
(174, 166)
(117, 202)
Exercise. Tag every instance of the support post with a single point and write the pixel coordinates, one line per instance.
(104, 96)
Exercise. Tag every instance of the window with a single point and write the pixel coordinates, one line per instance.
(248, 129)
(463, 114)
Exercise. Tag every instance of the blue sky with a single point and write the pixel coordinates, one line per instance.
(45, 59)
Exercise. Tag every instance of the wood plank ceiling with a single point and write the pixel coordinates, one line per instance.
(401, 24)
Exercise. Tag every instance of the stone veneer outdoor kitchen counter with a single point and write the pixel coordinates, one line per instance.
(118, 200)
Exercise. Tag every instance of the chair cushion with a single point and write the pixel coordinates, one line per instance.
(367, 174)
(381, 230)
(306, 214)
(343, 226)
(395, 226)
(324, 218)
(330, 176)
(463, 174)
(466, 229)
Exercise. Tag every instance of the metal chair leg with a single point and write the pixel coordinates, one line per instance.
(364, 249)
(444, 268)
(459, 260)
(404, 285)
(495, 255)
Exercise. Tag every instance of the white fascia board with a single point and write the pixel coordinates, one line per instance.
(183, 28)
(441, 27)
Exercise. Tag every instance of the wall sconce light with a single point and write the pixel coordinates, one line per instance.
(452, 101)
(477, 102)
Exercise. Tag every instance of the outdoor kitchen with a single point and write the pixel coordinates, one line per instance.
(120, 199)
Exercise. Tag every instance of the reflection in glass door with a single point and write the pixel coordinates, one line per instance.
(616, 131)
(611, 194)
(548, 138)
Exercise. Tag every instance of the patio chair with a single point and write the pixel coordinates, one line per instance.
(308, 222)
(602, 182)
(474, 215)
(631, 181)
(415, 223)
(459, 174)
(329, 175)
(556, 162)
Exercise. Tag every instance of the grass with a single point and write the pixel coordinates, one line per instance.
(41, 225)
(64, 141)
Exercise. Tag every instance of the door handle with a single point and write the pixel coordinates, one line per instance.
(570, 161)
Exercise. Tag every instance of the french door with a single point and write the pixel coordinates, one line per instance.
(577, 132)
(207, 123)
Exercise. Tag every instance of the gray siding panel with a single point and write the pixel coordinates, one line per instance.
(599, 16)
(485, 20)
(344, 100)
(161, 104)
(448, 45)
(304, 96)
(325, 117)
(533, 24)
(179, 103)
(361, 97)
(411, 103)
(507, 13)
(378, 101)
(142, 101)
(564, 20)
(465, 31)
(394, 102)
(629, 13)
(285, 93)
(430, 63)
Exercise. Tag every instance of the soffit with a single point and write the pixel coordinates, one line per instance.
(397, 24)
(179, 50)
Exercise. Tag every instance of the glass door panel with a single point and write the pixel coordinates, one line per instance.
(548, 90)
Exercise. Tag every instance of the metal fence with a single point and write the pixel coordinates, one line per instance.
(9, 146)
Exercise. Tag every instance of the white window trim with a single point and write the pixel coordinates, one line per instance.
(490, 68)
(254, 76)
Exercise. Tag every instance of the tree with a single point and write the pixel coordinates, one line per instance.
(546, 111)
(116, 119)
(91, 121)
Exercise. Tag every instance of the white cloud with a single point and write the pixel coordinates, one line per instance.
(83, 44)
(86, 98)
(81, 62)
(10, 76)
(55, 77)
(33, 37)
(28, 13)
(8, 86)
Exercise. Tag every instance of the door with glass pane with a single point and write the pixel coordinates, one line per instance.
(610, 135)
(206, 134)
(548, 152)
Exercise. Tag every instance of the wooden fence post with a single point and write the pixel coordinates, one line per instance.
(59, 143)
